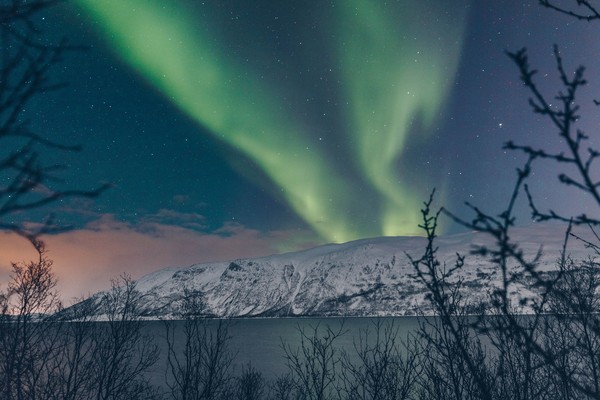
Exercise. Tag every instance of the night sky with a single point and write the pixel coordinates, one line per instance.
(243, 128)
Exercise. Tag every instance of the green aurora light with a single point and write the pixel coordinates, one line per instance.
(397, 75)
(388, 86)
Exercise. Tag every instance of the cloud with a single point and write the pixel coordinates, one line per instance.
(86, 259)
(181, 199)
(172, 217)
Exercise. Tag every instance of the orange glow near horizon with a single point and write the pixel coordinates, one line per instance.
(85, 260)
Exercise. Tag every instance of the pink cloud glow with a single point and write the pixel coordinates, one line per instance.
(86, 259)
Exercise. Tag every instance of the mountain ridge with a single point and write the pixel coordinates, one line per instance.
(365, 277)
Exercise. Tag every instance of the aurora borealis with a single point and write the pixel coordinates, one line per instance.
(237, 128)
(395, 73)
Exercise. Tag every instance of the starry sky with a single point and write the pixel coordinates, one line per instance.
(243, 128)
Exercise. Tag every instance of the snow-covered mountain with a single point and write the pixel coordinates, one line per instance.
(368, 277)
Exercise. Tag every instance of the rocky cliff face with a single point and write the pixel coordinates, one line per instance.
(369, 277)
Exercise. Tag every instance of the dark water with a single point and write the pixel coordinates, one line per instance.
(258, 341)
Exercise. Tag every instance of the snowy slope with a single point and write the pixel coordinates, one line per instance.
(366, 277)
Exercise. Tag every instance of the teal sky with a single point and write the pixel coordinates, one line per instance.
(333, 119)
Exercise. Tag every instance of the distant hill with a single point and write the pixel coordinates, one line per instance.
(367, 277)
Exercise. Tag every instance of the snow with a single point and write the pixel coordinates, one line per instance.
(365, 277)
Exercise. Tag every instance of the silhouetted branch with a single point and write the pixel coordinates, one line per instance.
(564, 119)
(314, 363)
(25, 64)
(589, 13)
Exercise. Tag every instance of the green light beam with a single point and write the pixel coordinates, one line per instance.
(162, 42)
(397, 72)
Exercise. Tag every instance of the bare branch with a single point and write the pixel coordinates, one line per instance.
(589, 13)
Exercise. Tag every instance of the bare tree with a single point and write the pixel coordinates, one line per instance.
(32, 350)
(121, 351)
(202, 368)
(553, 352)
(47, 354)
(282, 388)
(72, 368)
(26, 60)
(574, 325)
(386, 369)
(27, 336)
(315, 363)
(455, 362)
(251, 384)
